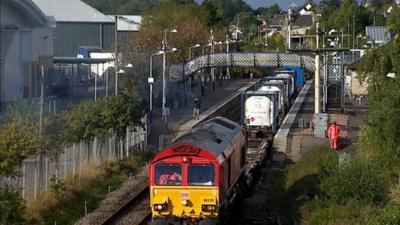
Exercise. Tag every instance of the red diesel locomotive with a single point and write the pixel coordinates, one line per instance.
(196, 178)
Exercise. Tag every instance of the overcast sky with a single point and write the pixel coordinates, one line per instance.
(282, 3)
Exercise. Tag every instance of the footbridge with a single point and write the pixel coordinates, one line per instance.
(242, 59)
(331, 76)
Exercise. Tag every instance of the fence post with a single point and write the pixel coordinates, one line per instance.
(80, 156)
(73, 160)
(35, 183)
(46, 172)
(65, 163)
(126, 142)
(23, 179)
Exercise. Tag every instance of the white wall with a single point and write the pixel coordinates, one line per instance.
(20, 51)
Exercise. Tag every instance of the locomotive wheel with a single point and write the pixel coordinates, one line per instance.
(208, 222)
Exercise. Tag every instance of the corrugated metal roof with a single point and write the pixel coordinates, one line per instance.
(71, 11)
(128, 22)
(378, 34)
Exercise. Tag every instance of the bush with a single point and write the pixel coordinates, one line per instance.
(11, 208)
(390, 215)
(353, 180)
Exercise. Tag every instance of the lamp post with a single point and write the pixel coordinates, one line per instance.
(165, 49)
(151, 81)
(190, 50)
(116, 80)
(228, 41)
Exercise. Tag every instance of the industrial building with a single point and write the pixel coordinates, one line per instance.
(26, 42)
(78, 24)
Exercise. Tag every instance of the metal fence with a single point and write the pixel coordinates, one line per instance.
(35, 175)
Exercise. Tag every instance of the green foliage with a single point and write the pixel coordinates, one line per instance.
(214, 14)
(393, 22)
(268, 11)
(389, 215)
(11, 208)
(353, 180)
(95, 118)
(66, 201)
(17, 139)
(57, 187)
(339, 15)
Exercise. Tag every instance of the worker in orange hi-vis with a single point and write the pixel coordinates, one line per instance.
(333, 135)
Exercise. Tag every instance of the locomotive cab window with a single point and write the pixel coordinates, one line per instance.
(201, 174)
(168, 174)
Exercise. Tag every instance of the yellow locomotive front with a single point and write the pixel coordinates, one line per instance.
(183, 190)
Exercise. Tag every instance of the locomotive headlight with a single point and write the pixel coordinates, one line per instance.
(185, 202)
(208, 208)
(159, 207)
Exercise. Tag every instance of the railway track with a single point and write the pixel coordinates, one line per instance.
(135, 211)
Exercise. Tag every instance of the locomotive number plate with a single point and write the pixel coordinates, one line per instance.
(184, 194)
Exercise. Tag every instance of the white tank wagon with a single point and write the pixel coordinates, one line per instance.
(260, 110)
(291, 81)
(287, 88)
(276, 85)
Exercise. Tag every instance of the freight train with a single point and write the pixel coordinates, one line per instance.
(197, 179)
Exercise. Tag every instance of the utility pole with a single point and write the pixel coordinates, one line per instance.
(317, 35)
(228, 75)
(354, 34)
(289, 29)
(317, 103)
(164, 82)
(40, 156)
(116, 54)
(212, 51)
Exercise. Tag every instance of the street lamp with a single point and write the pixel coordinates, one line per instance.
(151, 81)
(228, 41)
(165, 50)
(116, 80)
(190, 50)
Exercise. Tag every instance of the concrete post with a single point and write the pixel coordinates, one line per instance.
(317, 84)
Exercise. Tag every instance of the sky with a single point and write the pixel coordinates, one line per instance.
(284, 4)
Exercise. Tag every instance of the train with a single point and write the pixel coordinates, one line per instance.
(196, 180)
(264, 108)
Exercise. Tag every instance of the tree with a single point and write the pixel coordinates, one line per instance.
(268, 11)
(18, 139)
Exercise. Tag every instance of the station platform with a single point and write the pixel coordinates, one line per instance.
(180, 120)
(297, 134)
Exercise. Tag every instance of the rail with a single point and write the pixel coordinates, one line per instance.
(139, 199)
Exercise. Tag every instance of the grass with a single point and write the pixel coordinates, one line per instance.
(289, 189)
(295, 195)
(91, 186)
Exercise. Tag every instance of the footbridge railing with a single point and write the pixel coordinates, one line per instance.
(241, 59)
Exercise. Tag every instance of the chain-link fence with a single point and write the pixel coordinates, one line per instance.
(37, 171)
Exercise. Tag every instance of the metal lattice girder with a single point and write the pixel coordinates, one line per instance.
(335, 72)
(241, 59)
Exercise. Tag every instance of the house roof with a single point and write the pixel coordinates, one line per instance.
(378, 34)
(128, 22)
(278, 20)
(303, 21)
(33, 13)
(71, 11)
